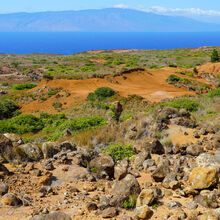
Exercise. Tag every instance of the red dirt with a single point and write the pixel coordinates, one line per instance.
(150, 84)
(210, 68)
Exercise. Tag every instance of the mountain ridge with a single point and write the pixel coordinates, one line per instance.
(103, 20)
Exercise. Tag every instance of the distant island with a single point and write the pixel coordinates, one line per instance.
(101, 20)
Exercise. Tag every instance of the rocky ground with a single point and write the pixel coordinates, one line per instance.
(62, 181)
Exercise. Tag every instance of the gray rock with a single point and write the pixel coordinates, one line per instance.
(109, 212)
(192, 205)
(194, 150)
(3, 189)
(146, 197)
(139, 159)
(49, 149)
(148, 163)
(104, 202)
(143, 212)
(11, 199)
(103, 165)
(122, 189)
(174, 204)
(120, 170)
(160, 173)
(91, 206)
(52, 216)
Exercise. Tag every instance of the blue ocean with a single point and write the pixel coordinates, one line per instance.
(72, 42)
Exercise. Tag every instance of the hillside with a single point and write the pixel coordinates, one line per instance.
(111, 19)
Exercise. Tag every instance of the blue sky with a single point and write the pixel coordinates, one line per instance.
(157, 5)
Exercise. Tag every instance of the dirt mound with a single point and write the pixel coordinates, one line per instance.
(150, 84)
(210, 68)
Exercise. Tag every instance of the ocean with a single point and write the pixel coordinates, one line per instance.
(72, 42)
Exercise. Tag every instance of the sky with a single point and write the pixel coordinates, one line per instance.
(210, 7)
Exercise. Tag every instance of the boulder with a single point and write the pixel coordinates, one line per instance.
(120, 170)
(151, 145)
(6, 149)
(143, 212)
(203, 178)
(139, 159)
(208, 160)
(11, 199)
(160, 172)
(52, 216)
(194, 150)
(122, 189)
(103, 165)
(3, 189)
(110, 213)
(29, 152)
(146, 197)
(49, 149)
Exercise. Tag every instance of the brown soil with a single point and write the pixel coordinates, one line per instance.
(98, 60)
(150, 84)
(210, 68)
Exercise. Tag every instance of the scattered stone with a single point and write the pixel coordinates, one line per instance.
(203, 178)
(52, 216)
(143, 212)
(3, 189)
(11, 199)
(120, 170)
(103, 165)
(194, 150)
(160, 173)
(174, 204)
(146, 197)
(91, 206)
(109, 212)
(192, 205)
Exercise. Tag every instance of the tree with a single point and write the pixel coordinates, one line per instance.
(215, 56)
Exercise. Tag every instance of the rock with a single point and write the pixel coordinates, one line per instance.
(45, 179)
(208, 160)
(11, 199)
(28, 152)
(52, 216)
(64, 146)
(192, 205)
(91, 206)
(48, 165)
(49, 149)
(146, 197)
(6, 149)
(148, 163)
(3, 170)
(139, 159)
(194, 150)
(174, 204)
(3, 189)
(203, 178)
(104, 202)
(143, 212)
(122, 189)
(208, 199)
(120, 170)
(171, 177)
(109, 212)
(160, 172)
(151, 145)
(103, 164)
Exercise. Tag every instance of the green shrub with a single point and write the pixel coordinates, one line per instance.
(57, 104)
(131, 202)
(119, 151)
(21, 124)
(214, 93)
(8, 109)
(24, 86)
(5, 84)
(101, 94)
(215, 56)
(187, 104)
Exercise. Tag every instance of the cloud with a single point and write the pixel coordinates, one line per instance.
(174, 11)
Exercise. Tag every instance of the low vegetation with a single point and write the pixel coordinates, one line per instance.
(24, 86)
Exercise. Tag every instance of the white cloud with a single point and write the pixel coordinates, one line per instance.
(174, 11)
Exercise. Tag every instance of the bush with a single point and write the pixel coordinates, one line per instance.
(119, 151)
(215, 56)
(187, 104)
(57, 104)
(24, 86)
(130, 203)
(21, 124)
(214, 93)
(101, 94)
(8, 109)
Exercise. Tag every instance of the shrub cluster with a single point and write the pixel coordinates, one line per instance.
(119, 151)
(8, 109)
(24, 86)
(187, 104)
(214, 93)
(101, 94)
